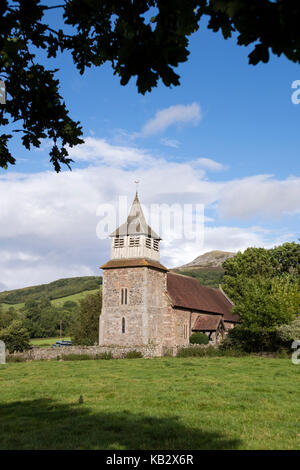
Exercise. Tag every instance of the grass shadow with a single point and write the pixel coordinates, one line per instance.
(46, 424)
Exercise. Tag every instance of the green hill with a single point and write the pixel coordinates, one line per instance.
(211, 277)
(65, 289)
(206, 268)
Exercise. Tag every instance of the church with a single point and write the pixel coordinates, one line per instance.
(144, 303)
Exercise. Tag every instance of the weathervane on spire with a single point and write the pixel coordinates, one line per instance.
(136, 185)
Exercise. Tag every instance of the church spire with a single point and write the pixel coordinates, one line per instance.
(136, 188)
(136, 223)
(135, 238)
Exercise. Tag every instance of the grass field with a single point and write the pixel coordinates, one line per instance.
(46, 342)
(57, 302)
(74, 297)
(163, 403)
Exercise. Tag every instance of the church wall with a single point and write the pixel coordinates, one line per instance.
(112, 311)
(182, 326)
(159, 318)
(229, 325)
(146, 315)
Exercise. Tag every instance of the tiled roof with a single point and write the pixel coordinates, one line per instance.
(207, 323)
(134, 262)
(187, 292)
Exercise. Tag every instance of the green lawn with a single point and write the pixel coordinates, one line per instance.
(164, 403)
(46, 342)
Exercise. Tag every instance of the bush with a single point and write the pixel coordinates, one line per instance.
(290, 332)
(210, 351)
(199, 338)
(191, 352)
(105, 356)
(133, 355)
(76, 357)
(254, 339)
(15, 358)
(86, 357)
(15, 337)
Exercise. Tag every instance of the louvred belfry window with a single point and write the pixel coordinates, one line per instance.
(119, 242)
(156, 245)
(134, 241)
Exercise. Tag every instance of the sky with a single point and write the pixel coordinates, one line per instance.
(227, 138)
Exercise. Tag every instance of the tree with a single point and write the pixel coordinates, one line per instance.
(260, 262)
(15, 337)
(252, 263)
(86, 329)
(42, 319)
(287, 258)
(146, 39)
(7, 316)
(265, 287)
(267, 303)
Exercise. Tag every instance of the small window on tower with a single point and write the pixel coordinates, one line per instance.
(134, 241)
(119, 242)
(156, 245)
(185, 331)
(124, 296)
(148, 242)
(123, 325)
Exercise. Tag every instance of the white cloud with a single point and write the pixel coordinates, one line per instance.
(170, 143)
(100, 151)
(177, 114)
(48, 221)
(260, 195)
(218, 238)
(208, 164)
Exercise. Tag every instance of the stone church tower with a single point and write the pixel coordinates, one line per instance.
(135, 303)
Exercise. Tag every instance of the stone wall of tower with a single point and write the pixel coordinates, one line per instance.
(159, 328)
(147, 315)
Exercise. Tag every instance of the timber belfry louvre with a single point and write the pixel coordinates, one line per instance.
(119, 242)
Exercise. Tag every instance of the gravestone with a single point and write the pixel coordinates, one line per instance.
(2, 92)
(2, 352)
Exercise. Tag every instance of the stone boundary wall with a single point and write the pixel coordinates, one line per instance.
(118, 352)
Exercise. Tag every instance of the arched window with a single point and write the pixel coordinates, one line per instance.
(124, 296)
(123, 325)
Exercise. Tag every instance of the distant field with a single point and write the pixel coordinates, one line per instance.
(163, 403)
(74, 297)
(6, 307)
(56, 302)
(53, 290)
(46, 342)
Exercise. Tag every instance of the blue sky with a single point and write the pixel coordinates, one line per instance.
(240, 127)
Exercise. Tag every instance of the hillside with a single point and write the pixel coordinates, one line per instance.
(62, 288)
(211, 259)
(206, 268)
